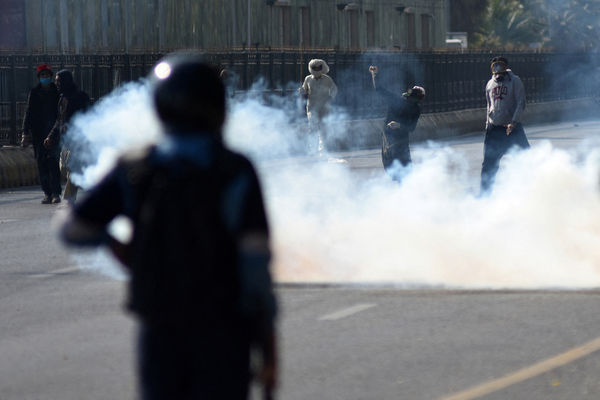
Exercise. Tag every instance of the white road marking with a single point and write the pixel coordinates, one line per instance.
(346, 312)
(527, 372)
(61, 271)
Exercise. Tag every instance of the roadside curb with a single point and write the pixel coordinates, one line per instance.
(366, 134)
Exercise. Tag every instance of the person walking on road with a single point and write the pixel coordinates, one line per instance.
(198, 260)
(320, 91)
(71, 101)
(40, 116)
(505, 97)
(403, 112)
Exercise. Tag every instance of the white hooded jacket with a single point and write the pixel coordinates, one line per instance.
(319, 87)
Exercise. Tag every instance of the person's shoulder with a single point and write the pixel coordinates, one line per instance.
(135, 157)
(136, 165)
(235, 164)
(330, 80)
(237, 159)
(36, 90)
(82, 95)
(512, 75)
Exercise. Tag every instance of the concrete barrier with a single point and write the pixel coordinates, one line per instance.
(18, 167)
(365, 134)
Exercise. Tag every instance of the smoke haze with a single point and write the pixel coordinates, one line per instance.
(539, 228)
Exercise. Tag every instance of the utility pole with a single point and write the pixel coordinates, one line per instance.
(249, 22)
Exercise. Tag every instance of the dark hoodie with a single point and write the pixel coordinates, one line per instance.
(40, 114)
(71, 101)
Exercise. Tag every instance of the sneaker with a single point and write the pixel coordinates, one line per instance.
(46, 199)
(55, 199)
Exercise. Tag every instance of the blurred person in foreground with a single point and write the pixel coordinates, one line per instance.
(403, 112)
(199, 257)
(505, 97)
(71, 101)
(40, 116)
(320, 90)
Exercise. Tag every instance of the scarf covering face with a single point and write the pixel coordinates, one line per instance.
(315, 63)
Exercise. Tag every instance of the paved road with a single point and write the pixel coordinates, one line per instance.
(565, 136)
(63, 335)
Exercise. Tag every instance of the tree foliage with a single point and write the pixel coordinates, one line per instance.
(570, 25)
(561, 25)
(508, 24)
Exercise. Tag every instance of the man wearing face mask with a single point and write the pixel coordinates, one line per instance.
(505, 96)
(40, 117)
(320, 91)
(71, 101)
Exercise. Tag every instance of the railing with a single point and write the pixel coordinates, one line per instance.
(453, 81)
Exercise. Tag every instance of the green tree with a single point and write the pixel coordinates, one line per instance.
(569, 24)
(509, 24)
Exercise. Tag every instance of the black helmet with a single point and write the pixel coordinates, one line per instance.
(188, 95)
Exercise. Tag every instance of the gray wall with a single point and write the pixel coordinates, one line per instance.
(93, 26)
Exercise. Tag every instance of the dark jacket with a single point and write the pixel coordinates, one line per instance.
(198, 262)
(395, 142)
(401, 110)
(41, 113)
(71, 101)
(191, 204)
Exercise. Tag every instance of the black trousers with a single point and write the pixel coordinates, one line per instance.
(395, 146)
(187, 362)
(497, 143)
(48, 169)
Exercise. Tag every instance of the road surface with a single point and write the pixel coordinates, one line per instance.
(63, 334)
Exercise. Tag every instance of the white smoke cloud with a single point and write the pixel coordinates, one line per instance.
(539, 228)
(119, 122)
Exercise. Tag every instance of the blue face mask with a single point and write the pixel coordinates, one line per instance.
(45, 81)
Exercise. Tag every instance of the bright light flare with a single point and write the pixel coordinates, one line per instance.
(162, 70)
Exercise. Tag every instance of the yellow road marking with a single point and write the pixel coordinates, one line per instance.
(528, 372)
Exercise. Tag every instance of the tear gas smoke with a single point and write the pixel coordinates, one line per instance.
(118, 123)
(539, 228)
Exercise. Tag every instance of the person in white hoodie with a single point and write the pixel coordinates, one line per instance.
(505, 96)
(320, 90)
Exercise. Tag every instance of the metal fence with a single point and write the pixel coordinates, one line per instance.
(453, 81)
